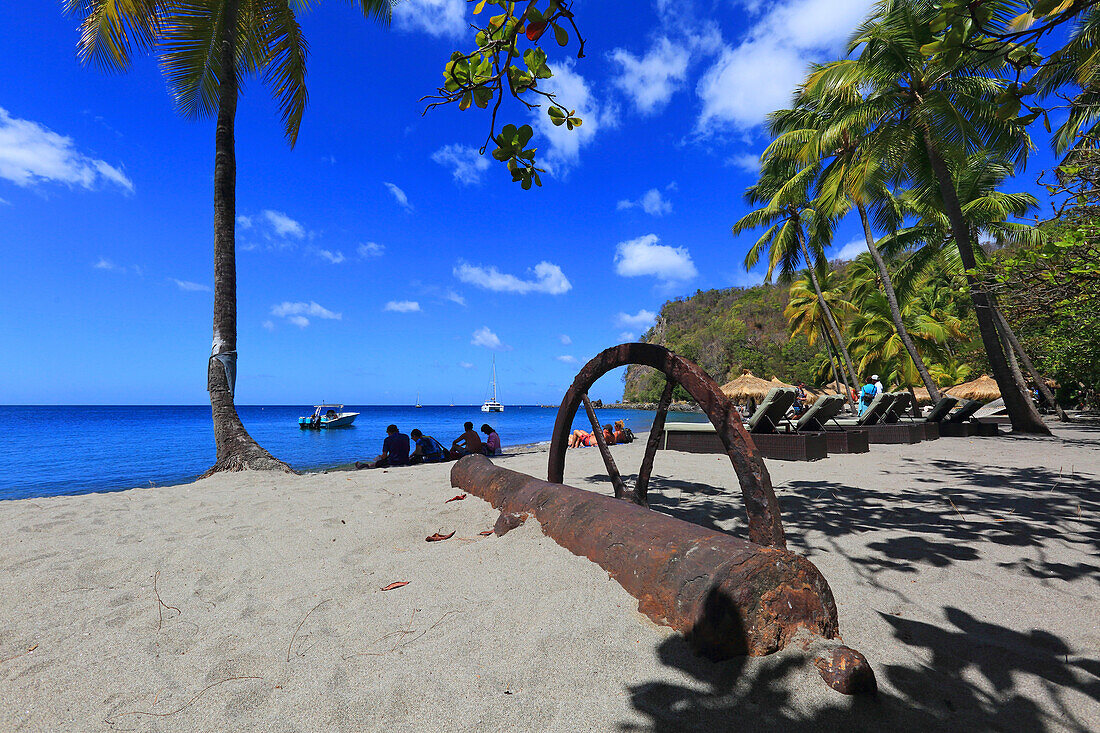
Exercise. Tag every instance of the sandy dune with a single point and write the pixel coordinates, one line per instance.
(965, 570)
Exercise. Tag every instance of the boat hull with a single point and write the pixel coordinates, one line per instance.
(341, 421)
(492, 408)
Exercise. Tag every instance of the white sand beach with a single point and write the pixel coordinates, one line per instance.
(965, 570)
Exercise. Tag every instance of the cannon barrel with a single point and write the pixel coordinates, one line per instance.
(728, 596)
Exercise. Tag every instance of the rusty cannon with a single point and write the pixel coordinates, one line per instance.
(727, 596)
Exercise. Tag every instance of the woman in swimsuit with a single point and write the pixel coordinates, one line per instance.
(581, 439)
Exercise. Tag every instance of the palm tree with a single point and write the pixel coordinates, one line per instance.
(853, 175)
(805, 314)
(987, 211)
(205, 47)
(782, 189)
(877, 344)
(923, 111)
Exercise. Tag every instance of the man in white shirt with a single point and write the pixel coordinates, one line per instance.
(878, 384)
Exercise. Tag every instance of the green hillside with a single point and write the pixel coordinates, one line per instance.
(724, 331)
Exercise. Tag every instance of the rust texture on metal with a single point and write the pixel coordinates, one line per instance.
(605, 452)
(847, 671)
(765, 526)
(728, 596)
(640, 495)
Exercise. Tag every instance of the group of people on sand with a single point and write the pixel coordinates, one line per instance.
(398, 449)
(611, 435)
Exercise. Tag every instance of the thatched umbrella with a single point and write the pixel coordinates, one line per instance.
(983, 389)
(777, 382)
(746, 387)
(923, 398)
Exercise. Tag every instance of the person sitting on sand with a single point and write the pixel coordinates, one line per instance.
(623, 434)
(608, 435)
(581, 439)
(491, 447)
(428, 449)
(467, 443)
(395, 451)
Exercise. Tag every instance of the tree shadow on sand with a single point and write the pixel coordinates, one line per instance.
(972, 683)
(976, 675)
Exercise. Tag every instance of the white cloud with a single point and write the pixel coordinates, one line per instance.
(745, 161)
(402, 306)
(370, 249)
(335, 257)
(465, 365)
(643, 256)
(244, 222)
(566, 359)
(484, 337)
(627, 337)
(268, 325)
(563, 149)
(190, 286)
(455, 298)
(283, 225)
(641, 320)
(4, 202)
(31, 154)
(465, 162)
(760, 73)
(651, 202)
(849, 251)
(435, 17)
(110, 266)
(399, 195)
(565, 339)
(296, 312)
(548, 278)
(651, 80)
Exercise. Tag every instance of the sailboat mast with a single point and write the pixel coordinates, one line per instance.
(494, 379)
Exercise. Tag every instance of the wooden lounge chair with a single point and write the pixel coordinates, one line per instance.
(879, 431)
(763, 425)
(814, 420)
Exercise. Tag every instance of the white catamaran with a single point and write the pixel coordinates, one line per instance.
(491, 404)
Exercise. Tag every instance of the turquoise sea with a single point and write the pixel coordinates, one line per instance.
(58, 449)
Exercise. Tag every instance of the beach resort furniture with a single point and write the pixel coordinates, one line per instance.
(960, 423)
(901, 412)
(821, 412)
(763, 425)
(878, 431)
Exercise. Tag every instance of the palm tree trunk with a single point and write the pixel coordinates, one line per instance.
(838, 374)
(1022, 413)
(1009, 336)
(826, 309)
(236, 449)
(895, 310)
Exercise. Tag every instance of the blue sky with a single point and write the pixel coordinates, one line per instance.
(381, 256)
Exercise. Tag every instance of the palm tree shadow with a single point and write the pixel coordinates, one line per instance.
(972, 683)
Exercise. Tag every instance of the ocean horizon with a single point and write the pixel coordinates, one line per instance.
(53, 450)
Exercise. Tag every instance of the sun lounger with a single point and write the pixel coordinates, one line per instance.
(763, 425)
(960, 423)
(879, 431)
(814, 420)
(900, 413)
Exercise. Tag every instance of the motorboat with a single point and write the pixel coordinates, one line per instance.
(491, 404)
(327, 416)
